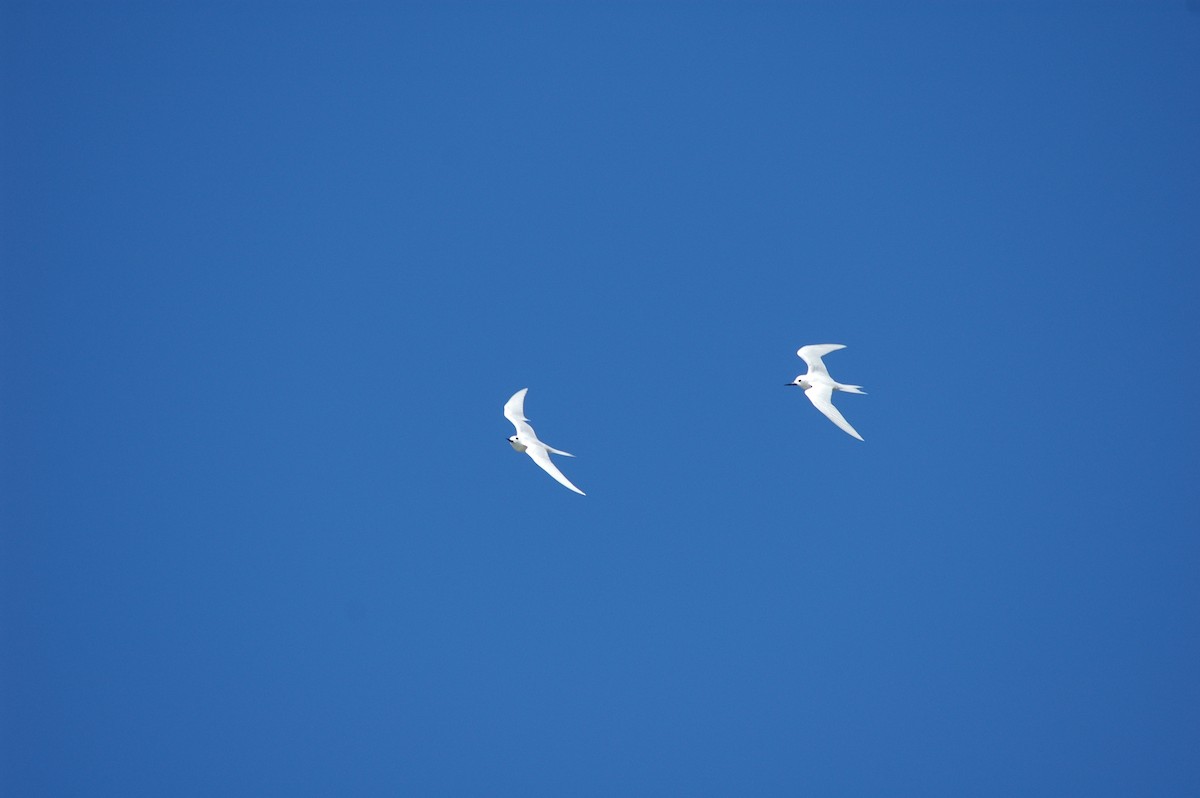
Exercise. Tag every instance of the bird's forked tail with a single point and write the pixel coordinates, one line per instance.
(851, 388)
(552, 450)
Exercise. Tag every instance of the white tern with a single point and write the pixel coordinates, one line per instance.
(526, 440)
(819, 386)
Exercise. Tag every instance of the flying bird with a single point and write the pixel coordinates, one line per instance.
(526, 440)
(819, 386)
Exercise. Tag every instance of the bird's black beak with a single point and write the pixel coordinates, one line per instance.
(790, 384)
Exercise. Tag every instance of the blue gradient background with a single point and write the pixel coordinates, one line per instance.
(270, 271)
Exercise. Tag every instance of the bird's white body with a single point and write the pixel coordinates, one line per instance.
(526, 440)
(819, 386)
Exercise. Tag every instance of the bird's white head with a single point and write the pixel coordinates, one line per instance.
(800, 382)
(520, 447)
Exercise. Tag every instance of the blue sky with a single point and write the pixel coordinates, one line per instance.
(270, 271)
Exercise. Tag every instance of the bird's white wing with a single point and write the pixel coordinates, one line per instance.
(514, 411)
(822, 398)
(514, 408)
(542, 458)
(813, 353)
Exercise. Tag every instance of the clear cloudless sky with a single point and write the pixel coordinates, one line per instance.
(269, 271)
